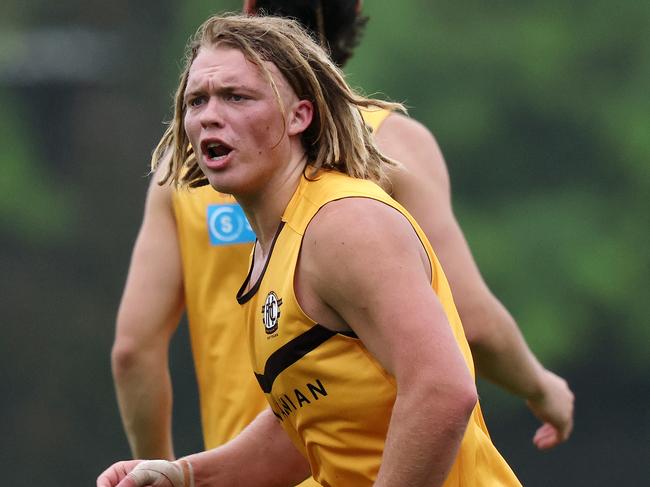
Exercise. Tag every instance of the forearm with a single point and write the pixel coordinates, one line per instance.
(500, 352)
(144, 394)
(424, 436)
(503, 357)
(261, 456)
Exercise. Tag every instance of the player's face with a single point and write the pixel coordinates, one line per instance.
(233, 120)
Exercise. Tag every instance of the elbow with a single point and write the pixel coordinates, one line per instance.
(137, 351)
(454, 400)
(466, 398)
(478, 328)
(486, 323)
(464, 392)
(475, 335)
(123, 357)
(460, 398)
(126, 355)
(459, 403)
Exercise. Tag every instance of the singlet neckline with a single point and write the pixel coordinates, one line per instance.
(243, 297)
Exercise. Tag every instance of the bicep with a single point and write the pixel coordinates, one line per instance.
(153, 295)
(381, 288)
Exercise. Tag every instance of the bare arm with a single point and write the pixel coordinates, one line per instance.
(262, 455)
(252, 459)
(499, 349)
(147, 318)
(401, 322)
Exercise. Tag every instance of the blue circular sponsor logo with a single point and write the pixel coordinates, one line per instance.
(225, 224)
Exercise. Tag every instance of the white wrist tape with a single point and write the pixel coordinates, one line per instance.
(188, 472)
(179, 473)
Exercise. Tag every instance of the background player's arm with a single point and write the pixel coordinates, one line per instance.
(499, 349)
(380, 287)
(261, 456)
(148, 315)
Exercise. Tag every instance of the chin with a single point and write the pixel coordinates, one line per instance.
(224, 184)
(233, 181)
(217, 179)
(220, 186)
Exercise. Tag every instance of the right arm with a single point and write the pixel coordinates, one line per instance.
(402, 324)
(148, 316)
(261, 456)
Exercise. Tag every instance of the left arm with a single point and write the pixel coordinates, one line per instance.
(402, 324)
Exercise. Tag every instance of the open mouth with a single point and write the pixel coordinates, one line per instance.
(216, 151)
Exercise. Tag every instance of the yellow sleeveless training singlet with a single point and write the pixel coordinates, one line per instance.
(330, 394)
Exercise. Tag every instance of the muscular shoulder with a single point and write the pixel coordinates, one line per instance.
(400, 128)
(352, 218)
(159, 197)
(354, 233)
(414, 146)
(354, 252)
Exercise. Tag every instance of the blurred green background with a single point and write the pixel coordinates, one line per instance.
(542, 110)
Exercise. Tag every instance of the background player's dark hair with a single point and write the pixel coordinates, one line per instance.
(336, 24)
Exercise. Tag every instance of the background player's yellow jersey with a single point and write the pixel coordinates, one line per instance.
(330, 394)
(215, 243)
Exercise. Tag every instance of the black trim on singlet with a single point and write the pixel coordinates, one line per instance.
(292, 351)
(349, 334)
(241, 297)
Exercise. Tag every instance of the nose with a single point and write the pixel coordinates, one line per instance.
(211, 115)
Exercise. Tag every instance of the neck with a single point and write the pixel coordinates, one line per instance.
(265, 208)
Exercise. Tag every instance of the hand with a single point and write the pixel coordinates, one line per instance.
(153, 473)
(554, 408)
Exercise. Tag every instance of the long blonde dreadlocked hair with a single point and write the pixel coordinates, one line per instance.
(337, 138)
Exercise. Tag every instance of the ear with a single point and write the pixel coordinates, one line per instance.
(300, 117)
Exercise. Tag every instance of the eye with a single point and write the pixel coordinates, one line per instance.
(196, 101)
(235, 97)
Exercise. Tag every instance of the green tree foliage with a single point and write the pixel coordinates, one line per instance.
(48, 215)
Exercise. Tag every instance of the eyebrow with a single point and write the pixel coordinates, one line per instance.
(191, 91)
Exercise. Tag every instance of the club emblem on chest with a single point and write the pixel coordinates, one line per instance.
(271, 312)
